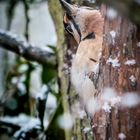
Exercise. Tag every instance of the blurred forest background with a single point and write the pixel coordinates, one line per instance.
(37, 100)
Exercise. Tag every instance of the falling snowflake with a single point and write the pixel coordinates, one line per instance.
(130, 62)
(113, 62)
(115, 101)
(106, 107)
(65, 121)
(130, 99)
(111, 13)
(138, 44)
(132, 78)
(86, 129)
(121, 136)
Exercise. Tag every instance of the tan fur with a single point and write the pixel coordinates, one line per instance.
(94, 23)
(89, 48)
(88, 21)
(82, 65)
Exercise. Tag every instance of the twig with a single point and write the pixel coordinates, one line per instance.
(29, 52)
(7, 124)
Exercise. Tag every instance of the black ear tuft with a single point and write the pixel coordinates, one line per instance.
(70, 9)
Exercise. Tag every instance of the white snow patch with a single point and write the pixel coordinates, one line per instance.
(18, 81)
(65, 66)
(130, 99)
(42, 93)
(92, 1)
(73, 56)
(121, 136)
(32, 123)
(51, 101)
(47, 49)
(10, 34)
(113, 34)
(78, 111)
(21, 120)
(132, 78)
(92, 106)
(36, 81)
(46, 121)
(111, 13)
(23, 68)
(115, 101)
(86, 129)
(65, 121)
(14, 80)
(15, 37)
(25, 122)
(69, 52)
(22, 78)
(138, 44)
(110, 99)
(82, 114)
(113, 62)
(21, 87)
(106, 107)
(124, 44)
(130, 62)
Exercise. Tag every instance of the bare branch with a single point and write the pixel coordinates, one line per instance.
(8, 124)
(22, 48)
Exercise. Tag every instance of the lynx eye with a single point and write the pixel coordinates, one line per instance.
(69, 29)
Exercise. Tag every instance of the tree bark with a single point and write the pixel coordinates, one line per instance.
(122, 122)
(56, 13)
(3, 53)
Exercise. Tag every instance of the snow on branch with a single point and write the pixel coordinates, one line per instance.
(12, 43)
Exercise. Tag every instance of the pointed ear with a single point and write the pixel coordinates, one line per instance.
(70, 9)
(66, 19)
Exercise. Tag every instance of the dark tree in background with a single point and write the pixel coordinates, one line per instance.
(121, 42)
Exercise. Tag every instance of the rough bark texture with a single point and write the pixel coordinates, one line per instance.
(119, 120)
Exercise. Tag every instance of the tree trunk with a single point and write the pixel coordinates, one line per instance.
(3, 53)
(65, 50)
(56, 13)
(121, 43)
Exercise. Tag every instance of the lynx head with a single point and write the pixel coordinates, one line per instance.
(81, 21)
